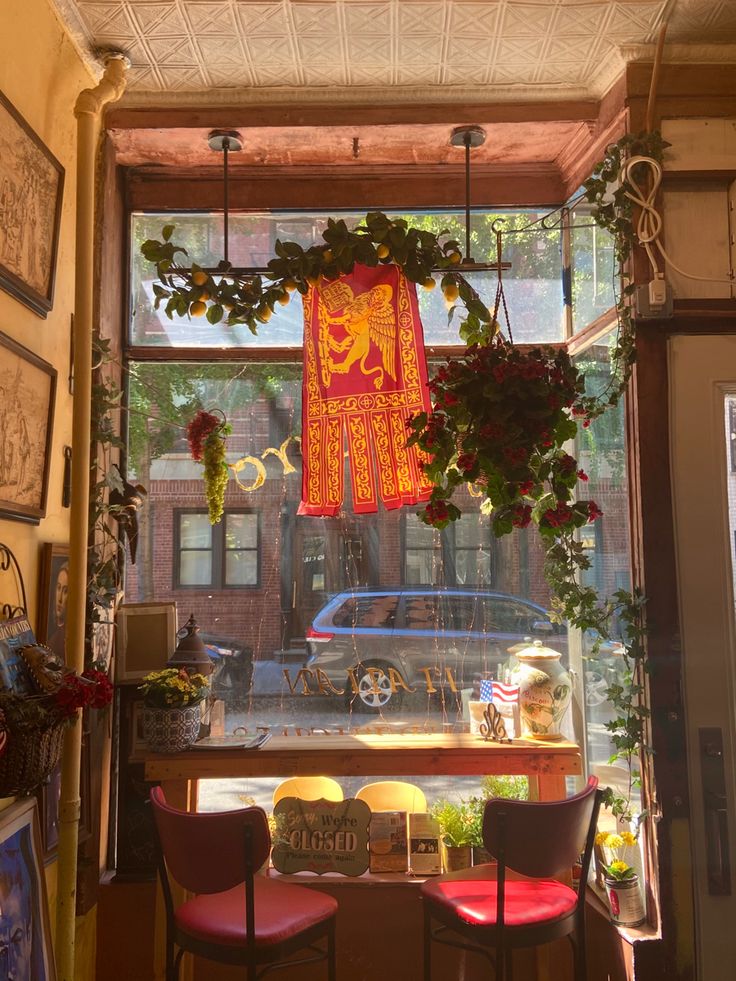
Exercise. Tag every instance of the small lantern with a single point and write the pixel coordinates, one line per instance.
(190, 652)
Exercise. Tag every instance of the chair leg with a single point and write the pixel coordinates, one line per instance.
(177, 964)
(331, 956)
(427, 943)
(509, 965)
(579, 958)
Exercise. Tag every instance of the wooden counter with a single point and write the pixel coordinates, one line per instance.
(421, 754)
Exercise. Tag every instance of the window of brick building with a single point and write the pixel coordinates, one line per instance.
(220, 555)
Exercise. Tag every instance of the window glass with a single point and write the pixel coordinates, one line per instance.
(594, 269)
(533, 284)
(195, 568)
(241, 531)
(379, 611)
(195, 531)
(422, 613)
(258, 581)
(601, 452)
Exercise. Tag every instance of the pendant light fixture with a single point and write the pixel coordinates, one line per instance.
(230, 141)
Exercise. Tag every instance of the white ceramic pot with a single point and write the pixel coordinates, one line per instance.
(545, 690)
(171, 730)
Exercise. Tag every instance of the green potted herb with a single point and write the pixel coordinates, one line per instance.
(458, 830)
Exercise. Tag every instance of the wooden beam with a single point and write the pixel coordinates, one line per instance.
(344, 114)
(309, 189)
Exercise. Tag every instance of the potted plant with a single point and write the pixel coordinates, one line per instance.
(171, 708)
(458, 831)
(620, 878)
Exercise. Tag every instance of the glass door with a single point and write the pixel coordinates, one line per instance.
(702, 412)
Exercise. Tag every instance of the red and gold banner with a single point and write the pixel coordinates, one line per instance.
(365, 374)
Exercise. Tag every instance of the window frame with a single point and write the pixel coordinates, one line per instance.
(218, 579)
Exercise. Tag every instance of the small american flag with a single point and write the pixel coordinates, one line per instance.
(496, 691)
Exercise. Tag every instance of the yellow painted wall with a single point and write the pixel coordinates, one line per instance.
(41, 74)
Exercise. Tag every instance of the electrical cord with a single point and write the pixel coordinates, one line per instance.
(649, 226)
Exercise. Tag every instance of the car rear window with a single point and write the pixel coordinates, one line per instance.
(367, 611)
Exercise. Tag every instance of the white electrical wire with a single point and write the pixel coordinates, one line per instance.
(649, 225)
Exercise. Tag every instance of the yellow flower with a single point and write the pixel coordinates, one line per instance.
(619, 867)
(601, 838)
(614, 841)
(628, 838)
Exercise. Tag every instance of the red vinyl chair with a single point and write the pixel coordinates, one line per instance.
(494, 916)
(235, 916)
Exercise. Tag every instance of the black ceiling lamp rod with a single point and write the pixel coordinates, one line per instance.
(228, 141)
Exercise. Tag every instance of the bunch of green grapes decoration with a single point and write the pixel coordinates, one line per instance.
(206, 434)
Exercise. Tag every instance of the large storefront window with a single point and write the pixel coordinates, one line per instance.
(337, 623)
(533, 285)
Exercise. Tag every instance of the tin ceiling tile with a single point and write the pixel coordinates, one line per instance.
(475, 19)
(211, 18)
(367, 18)
(421, 18)
(369, 50)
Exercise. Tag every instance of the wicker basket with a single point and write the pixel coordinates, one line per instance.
(30, 757)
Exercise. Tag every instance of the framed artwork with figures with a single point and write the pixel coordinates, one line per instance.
(27, 396)
(31, 189)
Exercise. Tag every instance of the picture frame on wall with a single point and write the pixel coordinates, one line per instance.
(27, 397)
(25, 937)
(146, 639)
(31, 192)
(53, 597)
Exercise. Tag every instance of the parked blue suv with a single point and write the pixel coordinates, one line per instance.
(367, 641)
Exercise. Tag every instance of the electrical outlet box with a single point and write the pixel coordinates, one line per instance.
(646, 309)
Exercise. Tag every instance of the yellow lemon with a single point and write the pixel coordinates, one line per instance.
(198, 308)
(199, 278)
(265, 313)
(284, 299)
(204, 296)
(429, 284)
(383, 251)
(229, 306)
(289, 285)
(455, 258)
(451, 293)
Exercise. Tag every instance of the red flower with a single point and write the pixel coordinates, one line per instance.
(437, 511)
(582, 475)
(526, 487)
(521, 516)
(594, 512)
(102, 691)
(466, 461)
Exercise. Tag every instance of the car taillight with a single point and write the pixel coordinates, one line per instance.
(319, 635)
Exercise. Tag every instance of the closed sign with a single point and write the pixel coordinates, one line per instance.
(321, 836)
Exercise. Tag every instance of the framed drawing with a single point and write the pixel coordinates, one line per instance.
(53, 596)
(146, 639)
(27, 395)
(31, 189)
(25, 936)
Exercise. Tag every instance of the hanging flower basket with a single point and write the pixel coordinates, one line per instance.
(500, 419)
(32, 728)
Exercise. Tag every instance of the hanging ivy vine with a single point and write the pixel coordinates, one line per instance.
(501, 417)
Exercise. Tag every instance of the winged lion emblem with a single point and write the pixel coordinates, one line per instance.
(367, 319)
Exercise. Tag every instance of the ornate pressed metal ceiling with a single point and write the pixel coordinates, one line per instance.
(354, 49)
